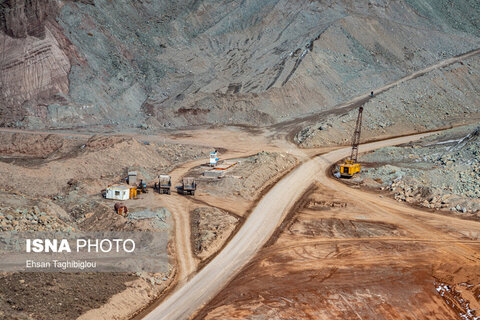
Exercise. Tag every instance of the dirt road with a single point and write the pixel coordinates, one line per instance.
(344, 253)
(257, 229)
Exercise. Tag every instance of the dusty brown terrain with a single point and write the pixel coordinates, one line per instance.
(57, 295)
(246, 179)
(344, 254)
(70, 169)
(410, 251)
(125, 74)
(53, 182)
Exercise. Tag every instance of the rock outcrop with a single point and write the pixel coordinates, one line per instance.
(22, 18)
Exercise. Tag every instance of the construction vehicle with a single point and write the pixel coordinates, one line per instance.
(142, 187)
(164, 184)
(351, 166)
(188, 186)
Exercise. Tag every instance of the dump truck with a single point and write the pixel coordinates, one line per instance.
(188, 186)
(164, 184)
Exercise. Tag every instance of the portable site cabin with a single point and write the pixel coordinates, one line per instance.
(118, 193)
(213, 158)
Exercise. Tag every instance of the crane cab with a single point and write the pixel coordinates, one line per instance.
(349, 168)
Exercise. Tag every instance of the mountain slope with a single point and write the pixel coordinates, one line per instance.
(172, 64)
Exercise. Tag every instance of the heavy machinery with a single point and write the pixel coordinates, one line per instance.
(351, 166)
(164, 184)
(188, 186)
(142, 187)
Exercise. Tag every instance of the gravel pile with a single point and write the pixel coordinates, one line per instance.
(251, 175)
(30, 219)
(441, 171)
(158, 217)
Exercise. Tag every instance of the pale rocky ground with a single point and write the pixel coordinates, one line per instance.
(438, 99)
(88, 165)
(127, 65)
(69, 171)
(441, 171)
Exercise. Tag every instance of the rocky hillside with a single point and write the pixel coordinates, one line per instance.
(439, 99)
(176, 63)
(441, 171)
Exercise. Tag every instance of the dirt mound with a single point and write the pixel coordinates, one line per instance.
(106, 161)
(251, 175)
(210, 229)
(29, 145)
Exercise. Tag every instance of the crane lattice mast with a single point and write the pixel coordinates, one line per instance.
(356, 136)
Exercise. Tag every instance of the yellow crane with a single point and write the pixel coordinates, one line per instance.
(351, 166)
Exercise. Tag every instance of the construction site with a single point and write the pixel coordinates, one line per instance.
(306, 159)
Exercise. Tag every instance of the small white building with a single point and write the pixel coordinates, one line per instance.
(118, 193)
(213, 158)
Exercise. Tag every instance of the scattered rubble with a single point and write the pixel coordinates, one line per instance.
(438, 172)
(210, 229)
(438, 99)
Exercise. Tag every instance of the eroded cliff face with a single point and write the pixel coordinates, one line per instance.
(179, 63)
(33, 66)
(22, 18)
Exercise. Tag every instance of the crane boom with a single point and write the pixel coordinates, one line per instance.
(356, 136)
(351, 166)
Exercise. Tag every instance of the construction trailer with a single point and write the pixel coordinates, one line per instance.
(164, 184)
(188, 186)
(118, 193)
(351, 166)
